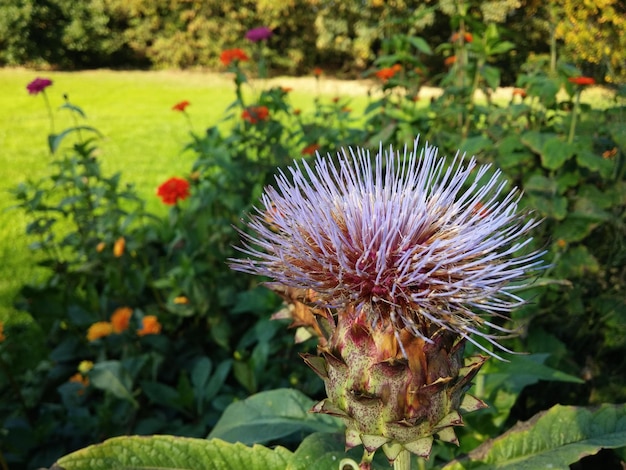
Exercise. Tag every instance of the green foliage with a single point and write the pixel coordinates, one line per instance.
(271, 416)
(344, 36)
(60, 32)
(175, 453)
(552, 439)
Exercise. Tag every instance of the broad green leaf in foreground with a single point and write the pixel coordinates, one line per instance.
(271, 415)
(551, 439)
(173, 453)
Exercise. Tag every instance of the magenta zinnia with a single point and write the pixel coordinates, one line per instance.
(259, 34)
(38, 85)
(407, 257)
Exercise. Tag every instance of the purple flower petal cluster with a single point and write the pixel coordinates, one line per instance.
(38, 85)
(414, 241)
(259, 34)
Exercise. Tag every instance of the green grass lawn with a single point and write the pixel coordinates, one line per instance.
(143, 137)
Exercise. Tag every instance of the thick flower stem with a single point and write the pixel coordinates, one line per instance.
(572, 127)
(403, 461)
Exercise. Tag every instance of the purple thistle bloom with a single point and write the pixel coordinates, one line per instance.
(259, 34)
(38, 85)
(411, 241)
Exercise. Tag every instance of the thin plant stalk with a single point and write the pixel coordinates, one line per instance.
(572, 127)
(50, 115)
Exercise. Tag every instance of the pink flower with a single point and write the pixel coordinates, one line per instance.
(38, 85)
(259, 34)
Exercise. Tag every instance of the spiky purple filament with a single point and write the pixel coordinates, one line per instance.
(408, 239)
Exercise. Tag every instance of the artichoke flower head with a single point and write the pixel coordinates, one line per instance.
(401, 259)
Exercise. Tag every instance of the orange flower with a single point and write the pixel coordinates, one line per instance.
(181, 106)
(79, 378)
(120, 319)
(173, 190)
(456, 37)
(119, 247)
(2, 337)
(150, 326)
(254, 114)
(100, 247)
(99, 330)
(519, 92)
(236, 54)
(449, 60)
(310, 149)
(561, 243)
(286, 89)
(582, 81)
(609, 153)
(181, 300)
(388, 72)
(317, 71)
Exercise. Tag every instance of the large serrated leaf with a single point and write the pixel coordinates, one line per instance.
(535, 140)
(555, 152)
(521, 371)
(577, 262)
(110, 376)
(271, 415)
(551, 439)
(173, 453)
(618, 133)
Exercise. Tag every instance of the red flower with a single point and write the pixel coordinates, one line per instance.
(254, 114)
(229, 55)
(172, 190)
(181, 106)
(388, 72)
(310, 149)
(519, 92)
(467, 37)
(582, 81)
(38, 85)
(317, 71)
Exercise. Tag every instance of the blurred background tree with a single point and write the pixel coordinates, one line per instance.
(344, 37)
